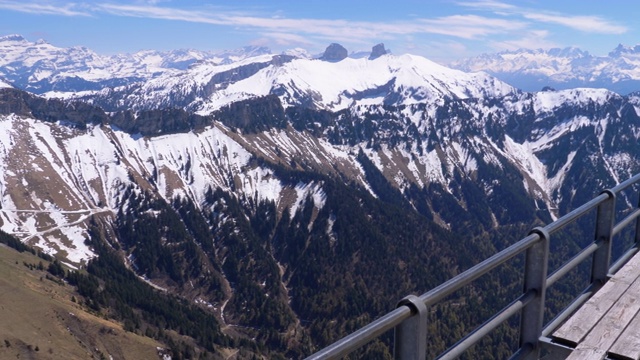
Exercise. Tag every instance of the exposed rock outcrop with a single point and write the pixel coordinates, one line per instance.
(377, 51)
(334, 52)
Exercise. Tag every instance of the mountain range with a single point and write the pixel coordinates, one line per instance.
(291, 194)
(40, 67)
(532, 70)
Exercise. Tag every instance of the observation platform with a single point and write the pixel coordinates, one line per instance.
(603, 322)
(607, 326)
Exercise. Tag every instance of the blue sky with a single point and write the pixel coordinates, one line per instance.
(439, 30)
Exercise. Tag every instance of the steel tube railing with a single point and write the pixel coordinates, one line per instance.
(359, 338)
(534, 294)
(625, 184)
(571, 264)
(523, 352)
(575, 214)
(473, 273)
(626, 221)
(484, 329)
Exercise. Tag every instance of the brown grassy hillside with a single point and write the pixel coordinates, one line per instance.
(40, 318)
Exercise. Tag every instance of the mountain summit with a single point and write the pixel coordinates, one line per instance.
(377, 51)
(334, 52)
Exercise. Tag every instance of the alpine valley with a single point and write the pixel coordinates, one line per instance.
(286, 200)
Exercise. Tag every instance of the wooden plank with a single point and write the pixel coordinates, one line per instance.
(577, 327)
(628, 344)
(610, 327)
(630, 271)
(587, 354)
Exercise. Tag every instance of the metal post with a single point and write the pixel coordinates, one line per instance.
(604, 230)
(411, 335)
(637, 235)
(535, 278)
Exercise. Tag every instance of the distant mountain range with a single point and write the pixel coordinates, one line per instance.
(532, 70)
(40, 67)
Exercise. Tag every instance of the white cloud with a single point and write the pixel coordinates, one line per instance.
(44, 9)
(487, 5)
(534, 39)
(462, 26)
(287, 39)
(471, 26)
(165, 13)
(591, 24)
(512, 25)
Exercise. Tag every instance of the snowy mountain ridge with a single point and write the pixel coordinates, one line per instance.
(41, 67)
(531, 70)
(538, 141)
(388, 79)
(430, 131)
(204, 81)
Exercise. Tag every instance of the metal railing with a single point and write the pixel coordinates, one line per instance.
(409, 319)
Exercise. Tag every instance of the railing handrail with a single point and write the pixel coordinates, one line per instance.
(605, 202)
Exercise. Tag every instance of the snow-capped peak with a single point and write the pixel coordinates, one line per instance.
(298, 52)
(622, 50)
(531, 70)
(331, 85)
(40, 67)
(12, 38)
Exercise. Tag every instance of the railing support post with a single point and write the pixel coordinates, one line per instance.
(604, 230)
(411, 335)
(637, 234)
(535, 279)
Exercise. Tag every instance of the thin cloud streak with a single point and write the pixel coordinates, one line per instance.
(489, 4)
(511, 24)
(42, 9)
(590, 24)
(535, 39)
(162, 13)
(287, 39)
(462, 26)
(471, 26)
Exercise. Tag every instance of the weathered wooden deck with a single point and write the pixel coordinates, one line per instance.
(607, 326)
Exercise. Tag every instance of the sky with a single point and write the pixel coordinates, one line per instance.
(440, 30)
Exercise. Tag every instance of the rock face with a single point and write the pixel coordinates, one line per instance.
(334, 52)
(377, 51)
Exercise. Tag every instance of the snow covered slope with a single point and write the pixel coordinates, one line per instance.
(433, 133)
(73, 176)
(542, 141)
(40, 67)
(531, 70)
(388, 80)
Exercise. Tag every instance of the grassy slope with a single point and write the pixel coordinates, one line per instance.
(38, 319)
